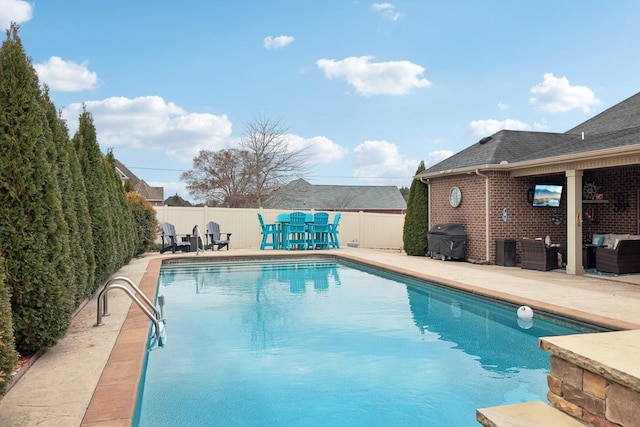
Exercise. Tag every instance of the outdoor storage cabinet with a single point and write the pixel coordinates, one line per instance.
(506, 252)
(447, 240)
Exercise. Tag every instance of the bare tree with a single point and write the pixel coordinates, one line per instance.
(219, 178)
(272, 160)
(246, 177)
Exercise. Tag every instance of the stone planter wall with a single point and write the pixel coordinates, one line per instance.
(594, 377)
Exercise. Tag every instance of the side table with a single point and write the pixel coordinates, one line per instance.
(589, 256)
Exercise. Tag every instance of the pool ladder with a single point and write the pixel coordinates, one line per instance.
(155, 314)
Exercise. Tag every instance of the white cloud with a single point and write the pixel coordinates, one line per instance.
(319, 148)
(541, 125)
(277, 42)
(482, 128)
(387, 10)
(380, 159)
(66, 76)
(17, 11)
(502, 106)
(556, 95)
(391, 78)
(152, 123)
(435, 157)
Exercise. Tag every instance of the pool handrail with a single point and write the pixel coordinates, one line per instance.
(152, 312)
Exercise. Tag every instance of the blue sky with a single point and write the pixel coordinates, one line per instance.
(370, 87)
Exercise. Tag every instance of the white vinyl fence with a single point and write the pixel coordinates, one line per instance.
(370, 230)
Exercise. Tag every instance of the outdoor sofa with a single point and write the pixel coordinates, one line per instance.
(619, 255)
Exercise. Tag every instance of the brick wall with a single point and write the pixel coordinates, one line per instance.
(524, 220)
(613, 183)
(470, 213)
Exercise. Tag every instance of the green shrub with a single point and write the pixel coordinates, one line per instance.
(416, 220)
(145, 219)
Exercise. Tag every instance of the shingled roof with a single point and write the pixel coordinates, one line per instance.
(504, 146)
(155, 195)
(301, 195)
(623, 115)
(618, 126)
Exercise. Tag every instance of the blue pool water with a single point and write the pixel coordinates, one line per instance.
(323, 343)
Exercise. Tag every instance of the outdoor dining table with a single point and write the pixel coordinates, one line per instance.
(283, 221)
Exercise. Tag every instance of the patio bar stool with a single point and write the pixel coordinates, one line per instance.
(266, 231)
(297, 231)
(282, 223)
(319, 230)
(333, 232)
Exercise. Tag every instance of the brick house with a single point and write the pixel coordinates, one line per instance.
(597, 163)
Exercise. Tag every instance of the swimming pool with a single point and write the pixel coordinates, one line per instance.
(322, 342)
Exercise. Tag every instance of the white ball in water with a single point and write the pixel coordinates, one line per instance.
(525, 312)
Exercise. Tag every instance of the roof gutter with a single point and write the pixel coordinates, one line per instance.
(548, 161)
(486, 212)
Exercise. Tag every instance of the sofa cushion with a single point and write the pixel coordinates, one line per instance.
(598, 240)
(610, 239)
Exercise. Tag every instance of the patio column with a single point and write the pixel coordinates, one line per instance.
(574, 222)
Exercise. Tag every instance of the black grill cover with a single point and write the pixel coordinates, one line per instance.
(449, 240)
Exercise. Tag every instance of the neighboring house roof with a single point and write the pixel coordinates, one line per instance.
(616, 128)
(154, 195)
(150, 193)
(300, 194)
(176, 200)
(125, 173)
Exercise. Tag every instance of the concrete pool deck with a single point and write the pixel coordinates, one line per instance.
(90, 377)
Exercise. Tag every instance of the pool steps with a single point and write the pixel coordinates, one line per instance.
(155, 314)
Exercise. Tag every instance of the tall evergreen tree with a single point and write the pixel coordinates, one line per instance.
(8, 355)
(124, 225)
(93, 170)
(416, 220)
(78, 275)
(79, 195)
(33, 233)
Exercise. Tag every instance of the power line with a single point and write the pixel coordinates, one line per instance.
(308, 176)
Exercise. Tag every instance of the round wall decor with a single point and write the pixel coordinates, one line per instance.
(455, 197)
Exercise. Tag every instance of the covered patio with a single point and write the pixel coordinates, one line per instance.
(596, 165)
